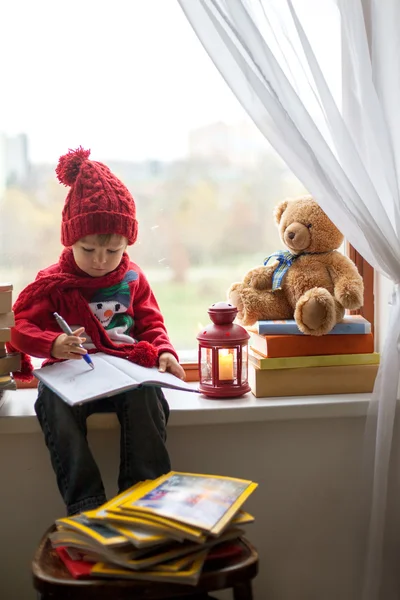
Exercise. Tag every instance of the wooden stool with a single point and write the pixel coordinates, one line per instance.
(52, 580)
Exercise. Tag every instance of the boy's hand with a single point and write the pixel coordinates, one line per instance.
(67, 346)
(168, 362)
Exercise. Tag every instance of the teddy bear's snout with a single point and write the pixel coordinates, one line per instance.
(297, 236)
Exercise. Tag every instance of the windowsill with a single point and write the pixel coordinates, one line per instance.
(17, 414)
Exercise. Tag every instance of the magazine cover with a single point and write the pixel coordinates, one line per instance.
(173, 529)
(137, 531)
(145, 529)
(96, 531)
(208, 502)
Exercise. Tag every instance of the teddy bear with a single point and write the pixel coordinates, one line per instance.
(310, 282)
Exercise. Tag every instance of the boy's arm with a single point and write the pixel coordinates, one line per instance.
(149, 322)
(28, 336)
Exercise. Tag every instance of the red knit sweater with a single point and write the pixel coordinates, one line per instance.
(65, 289)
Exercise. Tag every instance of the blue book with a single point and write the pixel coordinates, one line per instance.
(351, 324)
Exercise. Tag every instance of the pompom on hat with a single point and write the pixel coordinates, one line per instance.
(98, 202)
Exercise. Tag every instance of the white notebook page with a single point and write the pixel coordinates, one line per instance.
(138, 373)
(76, 382)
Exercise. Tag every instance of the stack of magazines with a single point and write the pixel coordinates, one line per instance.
(160, 530)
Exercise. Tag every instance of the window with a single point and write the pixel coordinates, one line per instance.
(131, 81)
(367, 273)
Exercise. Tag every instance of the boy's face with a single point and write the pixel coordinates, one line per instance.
(96, 258)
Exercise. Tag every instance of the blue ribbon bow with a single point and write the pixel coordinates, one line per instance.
(286, 259)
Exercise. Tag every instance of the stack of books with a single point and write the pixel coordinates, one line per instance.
(285, 362)
(162, 530)
(8, 362)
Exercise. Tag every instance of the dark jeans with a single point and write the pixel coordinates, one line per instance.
(143, 415)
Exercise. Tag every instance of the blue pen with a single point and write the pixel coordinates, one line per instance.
(67, 329)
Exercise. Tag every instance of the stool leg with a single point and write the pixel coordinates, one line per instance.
(243, 591)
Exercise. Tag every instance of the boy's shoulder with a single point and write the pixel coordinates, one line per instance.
(51, 270)
(133, 267)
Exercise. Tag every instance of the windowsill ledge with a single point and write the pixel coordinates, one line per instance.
(17, 414)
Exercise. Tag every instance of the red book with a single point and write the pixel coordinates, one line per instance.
(77, 568)
(224, 551)
(278, 346)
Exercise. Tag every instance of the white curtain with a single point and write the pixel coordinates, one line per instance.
(330, 106)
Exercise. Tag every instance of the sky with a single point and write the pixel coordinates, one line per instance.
(127, 78)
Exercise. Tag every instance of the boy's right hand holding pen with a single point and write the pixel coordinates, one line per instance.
(68, 346)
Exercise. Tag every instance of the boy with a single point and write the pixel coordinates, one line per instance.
(97, 290)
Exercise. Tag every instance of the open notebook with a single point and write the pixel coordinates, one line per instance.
(75, 382)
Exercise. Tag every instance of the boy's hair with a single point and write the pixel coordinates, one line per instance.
(97, 203)
(105, 238)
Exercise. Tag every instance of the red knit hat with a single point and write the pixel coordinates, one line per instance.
(98, 202)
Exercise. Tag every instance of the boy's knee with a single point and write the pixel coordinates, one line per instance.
(144, 406)
(163, 404)
(54, 413)
(49, 402)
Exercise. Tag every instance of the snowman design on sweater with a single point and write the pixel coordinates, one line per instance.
(109, 306)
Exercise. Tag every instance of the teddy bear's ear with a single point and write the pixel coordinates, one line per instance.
(279, 210)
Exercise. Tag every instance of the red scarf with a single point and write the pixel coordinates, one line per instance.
(69, 280)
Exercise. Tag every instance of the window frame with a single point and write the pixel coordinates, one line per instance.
(367, 311)
(368, 275)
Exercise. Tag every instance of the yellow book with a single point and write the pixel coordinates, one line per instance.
(178, 564)
(122, 555)
(297, 362)
(205, 502)
(190, 574)
(96, 531)
(137, 560)
(242, 518)
(135, 536)
(140, 532)
(174, 550)
(177, 531)
(311, 381)
(66, 537)
(145, 532)
(155, 527)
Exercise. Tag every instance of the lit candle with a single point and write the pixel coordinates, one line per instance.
(225, 366)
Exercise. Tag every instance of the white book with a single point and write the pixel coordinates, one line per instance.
(75, 382)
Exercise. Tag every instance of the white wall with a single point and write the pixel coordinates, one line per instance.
(306, 505)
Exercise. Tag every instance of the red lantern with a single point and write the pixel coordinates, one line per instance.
(223, 354)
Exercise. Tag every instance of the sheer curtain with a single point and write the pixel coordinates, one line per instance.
(342, 141)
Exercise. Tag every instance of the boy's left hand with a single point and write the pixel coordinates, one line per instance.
(168, 362)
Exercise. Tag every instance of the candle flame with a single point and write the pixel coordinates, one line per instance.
(224, 351)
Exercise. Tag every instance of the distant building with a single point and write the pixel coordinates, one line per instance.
(239, 144)
(14, 160)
